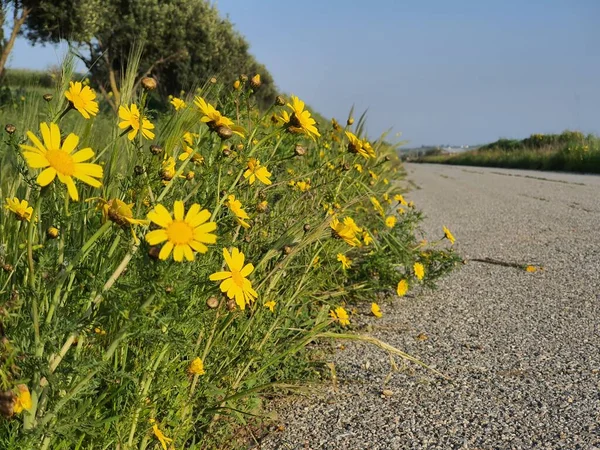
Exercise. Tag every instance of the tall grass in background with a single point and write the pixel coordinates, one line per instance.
(104, 344)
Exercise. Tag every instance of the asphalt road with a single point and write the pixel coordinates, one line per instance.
(522, 350)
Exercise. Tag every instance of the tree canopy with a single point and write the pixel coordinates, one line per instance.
(185, 41)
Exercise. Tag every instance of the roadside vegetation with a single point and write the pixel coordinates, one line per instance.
(163, 268)
(570, 151)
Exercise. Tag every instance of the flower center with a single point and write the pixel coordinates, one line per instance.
(179, 232)
(61, 161)
(237, 278)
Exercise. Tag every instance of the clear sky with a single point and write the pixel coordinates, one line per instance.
(439, 71)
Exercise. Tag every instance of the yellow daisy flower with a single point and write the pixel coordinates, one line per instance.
(196, 367)
(300, 120)
(255, 170)
(119, 212)
(235, 284)
(355, 145)
(131, 120)
(448, 235)
(188, 141)
(235, 206)
(303, 186)
(346, 262)
(367, 239)
(57, 160)
(342, 230)
(271, 305)
(377, 206)
(184, 235)
(82, 99)
(376, 310)
(214, 119)
(20, 208)
(419, 270)
(177, 103)
(23, 399)
(402, 288)
(390, 221)
(400, 200)
(340, 315)
(164, 441)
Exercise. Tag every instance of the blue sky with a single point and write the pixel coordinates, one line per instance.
(457, 72)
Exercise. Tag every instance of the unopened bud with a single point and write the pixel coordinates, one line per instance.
(10, 128)
(48, 97)
(350, 121)
(213, 80)
(149, 83)
(153, 252)
(279, 100)
(212, 302)
(230, 305)
(243, 78)
(255, 81)
(299, 150)
(306, 227)
(52, 233)
(138, 170)
(224, 132)
(287, 250)
(156, 149)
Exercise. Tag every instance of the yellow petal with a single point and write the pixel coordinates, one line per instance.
(155, 237)
(46, 176)
(247, 270)
(165, 251)
(178, 253)
(219, 276)
(70, 144)
(83, 155)
(55, 136)
(178, 210)
(160, 216)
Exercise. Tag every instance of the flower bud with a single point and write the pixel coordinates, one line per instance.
(149, 83)
(236, 84)
(156, 149)
(350, 121)
(306, 227)
(287, 250)
(299, 150)
(190, 175)
(48, 97)
(279, 100)
(10, 128)
(255, 81)
(138, 170)
(153, 252)
(224, 132)
(52, 233)
(212, 302)
(244, 77)
(230, 305)
(213, 80)
(7, 267)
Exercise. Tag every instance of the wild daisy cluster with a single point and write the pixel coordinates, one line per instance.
(274, 219)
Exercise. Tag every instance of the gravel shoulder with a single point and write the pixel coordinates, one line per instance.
(522, 350)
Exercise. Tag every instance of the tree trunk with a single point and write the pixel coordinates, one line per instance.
(17, 24)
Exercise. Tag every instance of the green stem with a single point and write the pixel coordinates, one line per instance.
(82, 252)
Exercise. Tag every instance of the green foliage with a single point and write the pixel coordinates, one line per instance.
(570, 151)
(186, 42)
(103, 333)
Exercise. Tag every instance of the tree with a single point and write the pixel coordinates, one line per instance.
(20, 9)
(185, 41)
